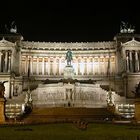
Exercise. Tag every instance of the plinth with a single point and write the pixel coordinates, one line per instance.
(137, 110)
(68, 72)
(2, 116)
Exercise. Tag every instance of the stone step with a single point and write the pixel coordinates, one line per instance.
(42, 115)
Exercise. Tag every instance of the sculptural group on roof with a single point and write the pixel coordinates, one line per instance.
(125, 27)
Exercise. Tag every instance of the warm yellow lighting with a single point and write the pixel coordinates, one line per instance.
(82, 68)
(75, 67)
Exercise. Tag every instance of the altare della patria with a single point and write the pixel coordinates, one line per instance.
(69, 80)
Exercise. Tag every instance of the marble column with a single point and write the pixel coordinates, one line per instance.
(82, 66)
(6, 60)
(9, 62)
(127, 62)
(49, 65)
(12, 61)
(85, 66)
(26, 64)
(136, 62)
(54, 66)
(37, 66)
(131, 63)
(99, 66)
(93, 66)
(43, 66)
(107, 66)
(46, 64)
(104, 65)
(58, 61)
(31, 65)
(111, 66)
(12, 89)
(59, 65)
(0, 61)
(76, 66)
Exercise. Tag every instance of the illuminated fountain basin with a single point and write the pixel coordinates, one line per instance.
(70, 95)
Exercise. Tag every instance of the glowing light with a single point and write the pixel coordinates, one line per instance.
(82, 68)
(75, 67)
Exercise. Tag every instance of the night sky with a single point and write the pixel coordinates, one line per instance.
(69, 21)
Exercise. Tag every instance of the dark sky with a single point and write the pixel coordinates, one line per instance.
(69, 21)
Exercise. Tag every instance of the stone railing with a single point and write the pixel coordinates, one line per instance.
(125, 110)
(13, 111)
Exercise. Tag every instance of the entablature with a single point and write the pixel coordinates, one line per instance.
(65, 46)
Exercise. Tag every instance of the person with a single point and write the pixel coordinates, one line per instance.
(69, 57)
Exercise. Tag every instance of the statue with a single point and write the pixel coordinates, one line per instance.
(109, 97)
(126, 28)
(2, 89)
(13, 28)
(68, 70)
(69, 57)
(137, 91)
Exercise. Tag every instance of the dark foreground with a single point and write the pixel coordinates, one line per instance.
(70, 131)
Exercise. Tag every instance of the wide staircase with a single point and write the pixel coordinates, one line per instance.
(61, 114)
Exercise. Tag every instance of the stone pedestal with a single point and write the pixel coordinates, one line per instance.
(68, 72)
(2, 116)
(137, 110)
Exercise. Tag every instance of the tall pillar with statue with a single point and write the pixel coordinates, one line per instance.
(69, 75)
(2, 103)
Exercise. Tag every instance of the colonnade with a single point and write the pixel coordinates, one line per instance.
(132, 61)
(97, 65)
(5, 60)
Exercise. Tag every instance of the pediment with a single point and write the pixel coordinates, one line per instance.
(4, 43)
(131, 43)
